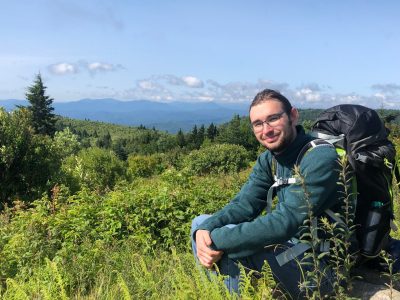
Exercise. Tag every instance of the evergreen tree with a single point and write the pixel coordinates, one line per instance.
(84, 133)
(200, 136)
(212, 131)
(43, 119)
(180, 139)
(238, 132)
(192, 138)
(105, 141)
(119, 148)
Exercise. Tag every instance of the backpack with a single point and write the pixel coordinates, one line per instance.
(360, 133)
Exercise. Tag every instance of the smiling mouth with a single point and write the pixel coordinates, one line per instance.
(271, 139)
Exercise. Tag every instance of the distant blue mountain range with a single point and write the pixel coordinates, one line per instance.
(163, 116)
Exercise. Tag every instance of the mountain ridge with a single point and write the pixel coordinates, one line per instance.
(168, 116)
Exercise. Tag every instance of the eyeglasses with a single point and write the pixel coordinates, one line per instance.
(271, 121)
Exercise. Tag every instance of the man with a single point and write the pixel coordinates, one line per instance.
(239, 233)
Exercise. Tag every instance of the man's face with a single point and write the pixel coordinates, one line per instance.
(281, 128)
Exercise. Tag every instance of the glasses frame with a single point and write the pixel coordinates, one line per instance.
(267, 121)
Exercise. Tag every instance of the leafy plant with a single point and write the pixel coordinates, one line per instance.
(217, 159)
(96, 169)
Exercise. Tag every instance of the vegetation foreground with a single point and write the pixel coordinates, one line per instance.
(128, 243)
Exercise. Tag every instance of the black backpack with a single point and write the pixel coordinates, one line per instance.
(359, 131)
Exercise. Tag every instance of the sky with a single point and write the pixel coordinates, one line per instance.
(318, 53)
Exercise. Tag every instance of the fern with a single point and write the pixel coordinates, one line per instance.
(123, 288)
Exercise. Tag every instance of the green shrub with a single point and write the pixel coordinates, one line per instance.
(145, 165)
(218, 158)
(93, 168)
(28, 162)
(66, 143)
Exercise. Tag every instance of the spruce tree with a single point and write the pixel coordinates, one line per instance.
(104, 141)
(192, 138)
(200, 136)
(180, 139)
(43, 119)
(212, 132)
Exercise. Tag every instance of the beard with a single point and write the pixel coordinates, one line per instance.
(283, 142)
(285, 138)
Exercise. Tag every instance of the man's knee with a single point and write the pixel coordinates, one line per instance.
(198, 220)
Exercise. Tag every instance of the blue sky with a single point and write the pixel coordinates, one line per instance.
(317, 52)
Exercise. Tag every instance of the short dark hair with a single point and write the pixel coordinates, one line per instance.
(269, 94)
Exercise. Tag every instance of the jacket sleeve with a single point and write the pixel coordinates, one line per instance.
(249, 202)
(319, 169)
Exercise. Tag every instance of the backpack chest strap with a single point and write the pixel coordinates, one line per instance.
(279, 181)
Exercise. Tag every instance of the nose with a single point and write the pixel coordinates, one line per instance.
(266, 128)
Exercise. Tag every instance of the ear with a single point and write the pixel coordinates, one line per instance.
(294, 116)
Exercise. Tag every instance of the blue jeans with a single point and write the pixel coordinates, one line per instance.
(287, 276)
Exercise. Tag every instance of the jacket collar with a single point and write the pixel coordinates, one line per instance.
(289, 155)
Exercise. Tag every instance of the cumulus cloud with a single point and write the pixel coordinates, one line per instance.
(242, 91)
(387, 88)
(146, 85)
(308, 95)
(388, 95)
(95, 67)
(63, 68)
(192, 88)
(193, 82)
(186, 81)
(66, 68)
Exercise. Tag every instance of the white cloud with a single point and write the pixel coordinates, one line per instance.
(192, 81)
(102, 67)
(186, 81)
(63, 68)
(146, 85)
(191, 88)
(388, 95)
(389, 88)
(92, 67)
(308, 95)
(353, 98)
(380, 96)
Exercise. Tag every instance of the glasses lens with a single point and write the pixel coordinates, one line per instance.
(272, 121)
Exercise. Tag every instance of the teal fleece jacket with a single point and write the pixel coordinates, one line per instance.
(320, 170)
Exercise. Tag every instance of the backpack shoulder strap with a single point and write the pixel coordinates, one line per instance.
(285, 181)
(311, 145)
(299, 248)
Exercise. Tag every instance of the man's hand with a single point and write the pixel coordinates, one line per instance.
(206, 255)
